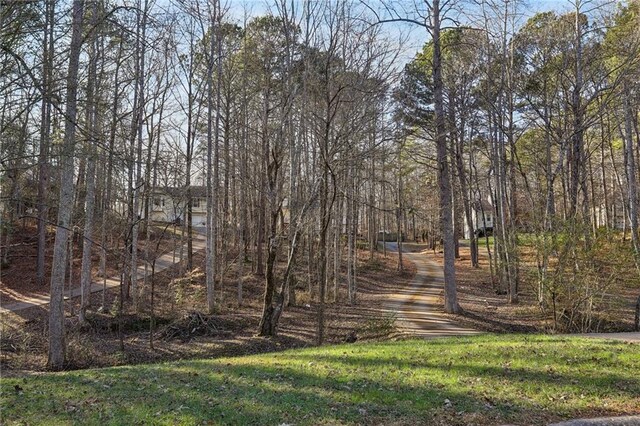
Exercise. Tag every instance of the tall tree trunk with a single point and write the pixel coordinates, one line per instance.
(57, 345)
(190, 141)
(212, 163)
(322, 248)
(89, 208)
(137, 141)
(109, 177)
(550, 210)
(577, 152)
(444, 183)
(632, 183)
(45, 128)
(399, 206)
(267, 325)
(337, 246)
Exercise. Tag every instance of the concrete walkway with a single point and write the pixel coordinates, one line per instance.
(603, 421)
(625, 337)
(163, 262)
(419, 310)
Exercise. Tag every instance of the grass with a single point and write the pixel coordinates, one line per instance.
(524, 239)
(481, 242)
(488, 379)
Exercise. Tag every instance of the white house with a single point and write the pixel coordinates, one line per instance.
(170, 204)
(482, 218)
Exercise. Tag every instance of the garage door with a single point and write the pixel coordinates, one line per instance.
(199, 219)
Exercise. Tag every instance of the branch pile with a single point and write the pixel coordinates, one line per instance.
(191, 325)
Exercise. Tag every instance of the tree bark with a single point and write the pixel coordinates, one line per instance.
(43, 157)
(57, 345)
(444, 183)
(89, 208)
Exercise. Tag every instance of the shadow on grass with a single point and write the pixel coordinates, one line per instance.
(498, 325)
(205, 392)
(397, 383)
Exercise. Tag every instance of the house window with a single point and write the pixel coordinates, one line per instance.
(196, 202)
(158, 201)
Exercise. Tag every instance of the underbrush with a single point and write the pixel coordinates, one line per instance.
(582, 282)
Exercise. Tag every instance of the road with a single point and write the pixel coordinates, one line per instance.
(419, 310)
(163, 262)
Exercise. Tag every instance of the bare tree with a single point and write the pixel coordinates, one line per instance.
(56, 312)
(429, 15)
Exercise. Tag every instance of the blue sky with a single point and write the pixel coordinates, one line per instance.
(417, 36)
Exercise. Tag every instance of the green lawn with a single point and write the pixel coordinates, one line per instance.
(524, 239)
(522, 379)
(482, 243)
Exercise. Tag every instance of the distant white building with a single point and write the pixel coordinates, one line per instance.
(482, 218)
(169, 204)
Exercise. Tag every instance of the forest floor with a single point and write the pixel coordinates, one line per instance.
(486, 308)
(18, 282)
(182, 331)
(391, 305)
(472, 380)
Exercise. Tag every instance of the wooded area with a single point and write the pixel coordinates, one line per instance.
(293, 143)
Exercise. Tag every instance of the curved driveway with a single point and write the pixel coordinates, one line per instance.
(419, 309)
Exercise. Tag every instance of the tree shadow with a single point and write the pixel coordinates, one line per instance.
(398, 383)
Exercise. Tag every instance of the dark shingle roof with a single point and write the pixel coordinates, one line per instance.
(181, 191)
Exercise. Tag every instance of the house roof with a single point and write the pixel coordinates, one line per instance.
(483, 205)
(181, 191)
